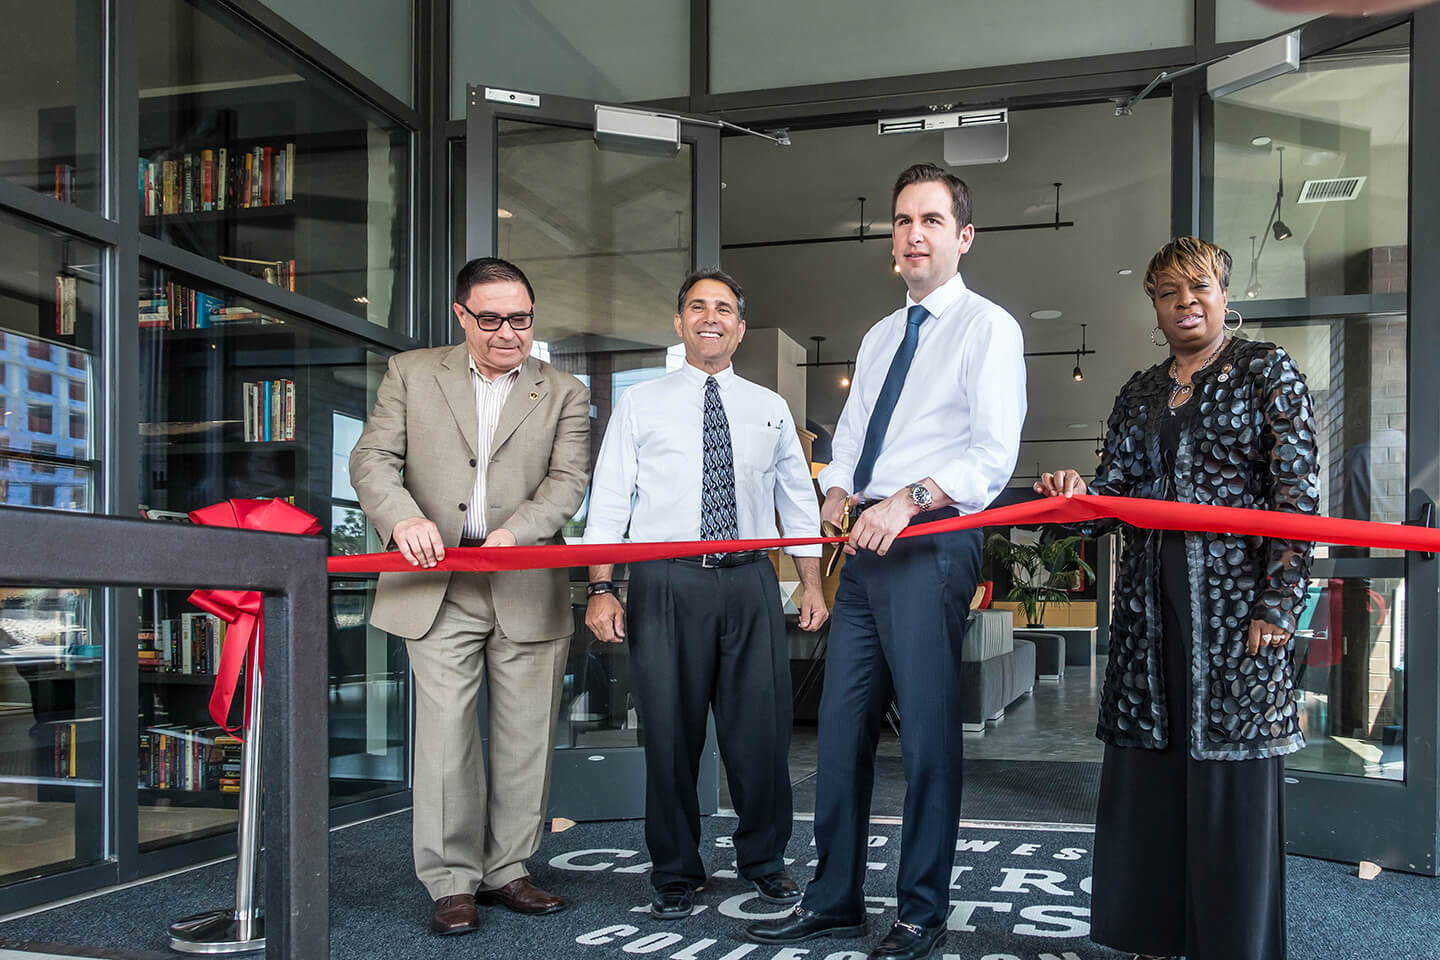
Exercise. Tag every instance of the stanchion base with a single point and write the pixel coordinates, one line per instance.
(216, 932)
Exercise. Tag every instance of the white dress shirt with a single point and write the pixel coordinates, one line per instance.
(959, 414)
(490, 397)
(648, 476)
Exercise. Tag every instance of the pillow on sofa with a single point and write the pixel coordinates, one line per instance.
(981, 600)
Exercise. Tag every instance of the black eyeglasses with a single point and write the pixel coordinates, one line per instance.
(490, 322)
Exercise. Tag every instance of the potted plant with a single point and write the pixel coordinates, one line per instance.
(1044, 572)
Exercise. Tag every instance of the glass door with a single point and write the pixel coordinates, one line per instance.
(606, 231)
(1311, 195)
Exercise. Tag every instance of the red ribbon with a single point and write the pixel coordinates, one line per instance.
(1153, 514)
(242, 608)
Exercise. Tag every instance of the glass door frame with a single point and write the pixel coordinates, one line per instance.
(603, 782)
(1333, 816)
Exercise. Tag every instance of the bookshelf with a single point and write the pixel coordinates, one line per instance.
(306, 199)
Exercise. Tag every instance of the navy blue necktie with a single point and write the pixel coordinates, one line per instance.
(718, 516)
(889, 396)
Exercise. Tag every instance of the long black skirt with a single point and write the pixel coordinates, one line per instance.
(1189, 854)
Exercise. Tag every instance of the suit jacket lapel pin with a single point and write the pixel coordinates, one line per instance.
(1225, 373)
(534, 395)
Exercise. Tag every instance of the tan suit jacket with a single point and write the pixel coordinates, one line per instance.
(416, 457)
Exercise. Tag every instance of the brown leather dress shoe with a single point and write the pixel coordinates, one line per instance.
(521, 896)
(454, 915)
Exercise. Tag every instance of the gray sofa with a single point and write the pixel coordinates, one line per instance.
(996, 668)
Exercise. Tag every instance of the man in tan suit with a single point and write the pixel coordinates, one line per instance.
(440, 414)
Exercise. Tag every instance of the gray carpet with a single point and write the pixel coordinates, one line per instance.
(378, 909)
(1034, 791)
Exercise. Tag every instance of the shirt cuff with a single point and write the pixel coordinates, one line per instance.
(812, 550)
(836, 475)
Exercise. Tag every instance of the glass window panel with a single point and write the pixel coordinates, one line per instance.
(605, 238)
(49, 309)
(251, 157)
(1343, 117)
(51, 724)
(257, 402)
(369, 702)
(588, 50)
(1350, 678)
(1247, 20)
(375, 37)
(51, 104)
(759, 44)
(1355, 368)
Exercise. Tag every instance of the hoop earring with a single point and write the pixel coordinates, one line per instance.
(1239, 321)
(1158, 341)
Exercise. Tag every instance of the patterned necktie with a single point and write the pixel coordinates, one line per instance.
(889, 396)
(717, 488)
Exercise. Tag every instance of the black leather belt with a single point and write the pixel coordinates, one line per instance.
(710, 560)
(471, 542)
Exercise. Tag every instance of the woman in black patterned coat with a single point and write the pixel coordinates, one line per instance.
(1198, 708)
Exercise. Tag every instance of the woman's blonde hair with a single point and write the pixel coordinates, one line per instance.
(1191, 258)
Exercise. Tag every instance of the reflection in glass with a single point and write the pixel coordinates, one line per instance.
(369, 699)
(52, 101)
(51, 726)
(252, 158)
(1350, 678)
(50, 293)
(1338, 134)
(1355, 370)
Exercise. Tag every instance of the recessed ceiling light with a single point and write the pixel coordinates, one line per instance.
(502, 214)
(1045, 314)
(1260, 142)
(1124, 272)
(1077, 425)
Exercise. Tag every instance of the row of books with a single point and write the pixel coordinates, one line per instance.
(173, 306)
(218, 178)
(269, 410)
(189, 643)
(186, 757)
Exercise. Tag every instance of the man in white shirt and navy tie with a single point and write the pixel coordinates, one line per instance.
(931, 429)
(701, 454)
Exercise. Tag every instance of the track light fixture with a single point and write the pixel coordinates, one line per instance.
(1077, 373)
(1252, 289)
(1282, 232)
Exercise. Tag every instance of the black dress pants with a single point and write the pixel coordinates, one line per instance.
(1189, 854)
(896, 631)
(702, 639)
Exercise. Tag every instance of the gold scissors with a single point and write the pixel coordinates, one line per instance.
(831, 530)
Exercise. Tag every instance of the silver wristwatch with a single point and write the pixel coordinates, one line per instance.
(920, 495)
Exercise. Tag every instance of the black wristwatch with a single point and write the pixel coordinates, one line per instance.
(598, 587)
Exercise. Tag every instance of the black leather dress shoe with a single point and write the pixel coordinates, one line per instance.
(778, 888)
(908, 941)
(801, 924)
(673, 901)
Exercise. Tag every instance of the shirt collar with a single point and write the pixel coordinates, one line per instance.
(942, 298)
(695, 375)
(476, 371)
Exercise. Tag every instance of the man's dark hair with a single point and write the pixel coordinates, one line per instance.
(711, 273)
(489, 270)
(929, 173)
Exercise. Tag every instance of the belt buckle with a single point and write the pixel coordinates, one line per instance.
(705, 560)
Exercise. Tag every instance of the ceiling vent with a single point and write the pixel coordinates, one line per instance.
(1327, 191)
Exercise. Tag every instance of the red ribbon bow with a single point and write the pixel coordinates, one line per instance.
(241, 608)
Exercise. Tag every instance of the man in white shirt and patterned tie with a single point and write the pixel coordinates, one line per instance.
(701, 454)
(931, 429)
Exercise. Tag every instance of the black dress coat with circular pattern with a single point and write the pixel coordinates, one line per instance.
(1247, 439)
